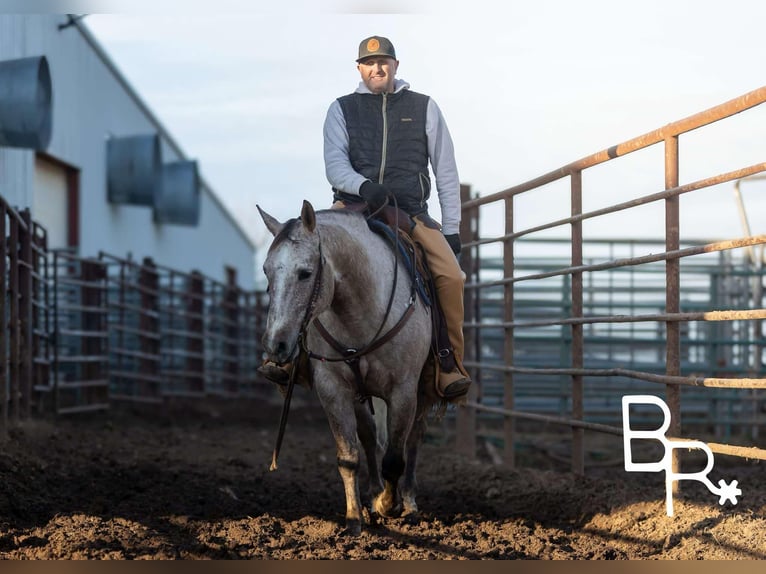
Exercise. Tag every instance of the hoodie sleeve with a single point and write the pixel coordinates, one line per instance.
(442, 153)
(337, 164)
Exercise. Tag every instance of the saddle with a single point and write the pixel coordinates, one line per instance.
(393, 223)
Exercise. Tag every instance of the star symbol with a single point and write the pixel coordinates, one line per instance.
(728, 492)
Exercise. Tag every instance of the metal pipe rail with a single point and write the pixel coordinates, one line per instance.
(727, 449)
(731, 315)
(692, 381)
(571, 310)
(627, 262)
(673, 129)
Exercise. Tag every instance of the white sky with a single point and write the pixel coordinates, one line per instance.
(525, 86)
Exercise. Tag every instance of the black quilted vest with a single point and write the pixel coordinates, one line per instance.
(388, 144)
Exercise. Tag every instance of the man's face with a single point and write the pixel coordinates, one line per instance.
(378, 73)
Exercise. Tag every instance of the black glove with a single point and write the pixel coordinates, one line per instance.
(375, 194)
(454, 243)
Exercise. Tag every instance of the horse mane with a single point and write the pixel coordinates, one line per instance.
(289, 225)
(332, 213)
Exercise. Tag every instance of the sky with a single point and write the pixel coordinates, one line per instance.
(525, 87)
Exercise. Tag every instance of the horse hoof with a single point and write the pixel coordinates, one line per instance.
(353, 528)
(411, 517)
(370, 517)
(386, 508)
(410, 514)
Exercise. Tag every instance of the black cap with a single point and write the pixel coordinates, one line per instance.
(376, 46)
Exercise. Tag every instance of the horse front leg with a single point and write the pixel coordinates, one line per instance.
(368, 436)
(400, 419)
(409, 481)
(340, 414)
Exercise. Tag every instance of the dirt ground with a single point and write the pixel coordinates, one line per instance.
(136, 484)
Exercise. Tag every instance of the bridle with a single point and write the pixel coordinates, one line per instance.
(348, 355)
(352, 355)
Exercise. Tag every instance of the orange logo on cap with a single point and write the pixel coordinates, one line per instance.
(372, 45)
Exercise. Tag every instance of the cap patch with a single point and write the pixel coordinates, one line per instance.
(373, 45)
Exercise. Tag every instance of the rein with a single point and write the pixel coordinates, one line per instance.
(350, 355)
(291, 382)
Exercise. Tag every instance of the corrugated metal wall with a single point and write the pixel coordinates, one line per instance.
(92, 102)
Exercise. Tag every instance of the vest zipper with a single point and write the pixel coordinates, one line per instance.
(385, 140)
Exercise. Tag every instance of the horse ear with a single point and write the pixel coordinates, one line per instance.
(272, 224)
(308, 217)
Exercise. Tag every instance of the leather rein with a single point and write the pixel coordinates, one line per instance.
(351, 355)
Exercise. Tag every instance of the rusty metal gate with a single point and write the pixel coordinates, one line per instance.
(508, 283)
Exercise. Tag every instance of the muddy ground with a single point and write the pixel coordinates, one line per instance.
(191, 484)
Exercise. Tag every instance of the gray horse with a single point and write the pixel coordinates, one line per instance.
(328, 272)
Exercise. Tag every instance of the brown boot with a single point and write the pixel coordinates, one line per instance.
(453, 384)
(275, 373)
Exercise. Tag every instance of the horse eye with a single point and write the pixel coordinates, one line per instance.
(304, 274)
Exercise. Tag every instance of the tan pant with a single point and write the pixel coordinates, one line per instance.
(449, 280)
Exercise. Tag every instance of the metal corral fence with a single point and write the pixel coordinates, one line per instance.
(79, 333)
(556, 328)
(180, 334)
(24, 328)
(142, 332)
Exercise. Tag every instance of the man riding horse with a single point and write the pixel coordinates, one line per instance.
(378, 142)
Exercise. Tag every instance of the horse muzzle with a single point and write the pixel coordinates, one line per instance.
(279, 349)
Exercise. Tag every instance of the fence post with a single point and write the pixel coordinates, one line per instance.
(94, 341)
(673, 296)
(578, 434)
(3, 323)
(41, 315)
(261, 314)
(465, 424)
(232, 317)
(150, 326)
(25, 311)
(195, 324)
(252, 358)
(15, 342)
(509, 400)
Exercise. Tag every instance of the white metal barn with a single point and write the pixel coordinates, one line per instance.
(108, 177)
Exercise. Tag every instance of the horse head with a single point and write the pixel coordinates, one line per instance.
(293, 269)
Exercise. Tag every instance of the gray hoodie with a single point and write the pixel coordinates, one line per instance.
(441, 153)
